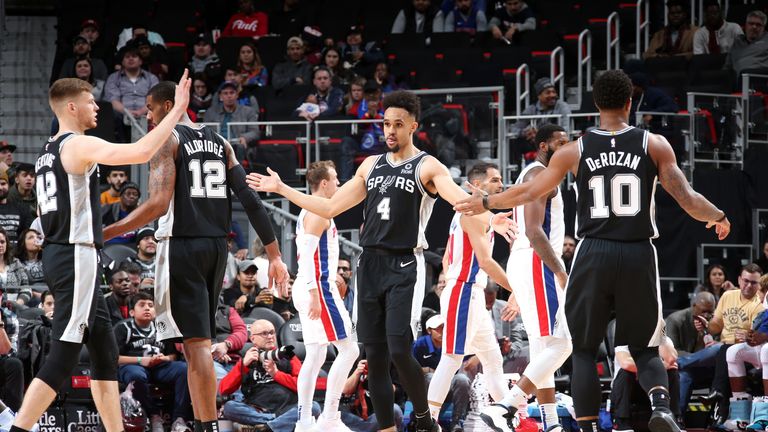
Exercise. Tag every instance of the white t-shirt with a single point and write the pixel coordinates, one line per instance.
(726, 34)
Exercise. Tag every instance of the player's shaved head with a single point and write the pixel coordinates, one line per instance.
(65, 90)
(164, 91)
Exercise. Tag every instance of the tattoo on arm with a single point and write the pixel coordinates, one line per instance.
(162, 168)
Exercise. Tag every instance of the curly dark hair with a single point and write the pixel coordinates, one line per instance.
(405, 100)
(612, 90)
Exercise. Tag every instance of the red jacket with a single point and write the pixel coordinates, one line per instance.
(231, 382)
(253, 25)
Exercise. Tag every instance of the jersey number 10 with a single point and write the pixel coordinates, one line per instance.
(625, 196)
(213, 174)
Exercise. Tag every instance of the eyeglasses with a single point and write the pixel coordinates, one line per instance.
(265, 334)
(750, 282)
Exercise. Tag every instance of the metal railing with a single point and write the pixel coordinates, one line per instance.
(522, 78)
(702, 259)
(739, 143)
(642, 26)
(557, 69)
(584, 66)
(759, 225)
(612, 41)
(748, 90)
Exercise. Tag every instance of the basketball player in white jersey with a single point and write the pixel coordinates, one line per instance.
(68, 198)
(538, 278)
(469, 329)
(321, 311)
(398, 188)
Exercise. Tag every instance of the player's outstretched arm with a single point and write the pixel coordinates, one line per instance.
(564, 160)
(89, 149)
(348, 195)
(162, 178)
(673, 180)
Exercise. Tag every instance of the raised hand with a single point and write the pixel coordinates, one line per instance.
(264, 183)
(504, 225)
(181, 98)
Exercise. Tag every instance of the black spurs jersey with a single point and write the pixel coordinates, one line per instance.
(70, 210)
(397, 207)
(615, 183)
(201, 204)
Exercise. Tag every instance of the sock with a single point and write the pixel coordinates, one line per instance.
(198, 427)
(549, 414)
(15, 428)
(6, 418)
(588, 425)
(423, 419)
(514, 398)
(740, 395)
(305, 414)
(434, 410)
(209, 426)
(660, 399)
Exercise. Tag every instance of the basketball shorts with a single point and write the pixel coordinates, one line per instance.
(469, 328)
(189, 273)
(537, 294)
(387, 286)
(608, 277)
(334, 322)
(73, 273)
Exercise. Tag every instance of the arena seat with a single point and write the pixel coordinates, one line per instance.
(290, 334)
(259, 313)
(119, 252)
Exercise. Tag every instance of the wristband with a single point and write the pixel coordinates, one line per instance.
(138, 360)
(485, 202)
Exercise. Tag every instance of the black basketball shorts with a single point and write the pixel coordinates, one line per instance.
(612, 276)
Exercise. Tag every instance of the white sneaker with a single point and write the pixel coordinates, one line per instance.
(331, 425)
(179, 425)
(7, 418)
(300, 427)
(157, 423)
(496, 417)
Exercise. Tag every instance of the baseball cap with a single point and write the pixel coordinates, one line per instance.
(141, 41)
(144, 232)
(226, 84)
(543, 84)
(5, 146)
(89, 23)
(23, 166)
(202, 37)
(294, 40)
(130, 185)
(79, 38)
(246, 264)
(354, 30)
(434, 322)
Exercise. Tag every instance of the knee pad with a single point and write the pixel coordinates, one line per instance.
(58, 366)
(541, 370)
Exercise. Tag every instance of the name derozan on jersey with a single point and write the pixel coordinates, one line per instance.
(197, 146)
(617, 158)
(398, 182)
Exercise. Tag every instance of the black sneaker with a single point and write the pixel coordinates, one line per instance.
(662, 420)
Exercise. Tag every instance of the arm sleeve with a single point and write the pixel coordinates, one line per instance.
(239, 332)
(254, 208)
(306, 258)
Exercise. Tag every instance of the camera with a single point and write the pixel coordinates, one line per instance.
(282, 353)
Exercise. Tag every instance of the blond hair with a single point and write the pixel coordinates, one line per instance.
(319, 171)
(65, 89)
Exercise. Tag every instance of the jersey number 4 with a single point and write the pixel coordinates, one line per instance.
(625, 196)
(46, 192)
(383, 208)
(213, 174)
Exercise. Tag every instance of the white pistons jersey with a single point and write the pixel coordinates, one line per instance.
(554, 223)
(326, 258)
(463, 265)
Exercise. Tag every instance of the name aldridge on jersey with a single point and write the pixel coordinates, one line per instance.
(613, 158)
(199, 145)
(384, 182)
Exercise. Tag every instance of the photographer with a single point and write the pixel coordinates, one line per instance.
(11, 368)
(269, 385)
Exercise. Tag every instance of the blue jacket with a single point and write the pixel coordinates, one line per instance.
(425, 352)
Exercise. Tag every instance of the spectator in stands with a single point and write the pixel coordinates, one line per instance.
(466, 16)
(427, 350)
(12, 369)
(6, 155)
(230, 338)
(231, 111)
(146, 248)
(129, 200)
(244, 97)
(696, 350)
(247, 294)
(47, 303)
(14, 218)
(326, 100)
(358, 55)
(134, 275)
(314, 44)
(12, 272)
(370, 137)
(763, 260)
(144, 360)
(354, 96)
(295, 70)
(384, 79)
(117, 300)
(29, 252)
(676, 38)
(357, 409)
(89, 29)
(511, 334)
(204, 59)
(515, 17)
(250, 67)
(269, 387)
(749, 51)
(201, 96)
(419, 17)
(626, 391)
(154, 58)
(432, 299)
(116, 176)
(23, 191)
(81, 48)
(569, 248)
(84, 70)
(547, 104)
(260, 257)
(345, 283)
(127, 90)
(715, 282)
(138, 30)
(340, 76)
(284, 305)
(648, 98)
(289, 18)
(717, 35)
(247, 22)
(732, 320)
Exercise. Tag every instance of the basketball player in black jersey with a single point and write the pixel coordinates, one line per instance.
(68, 200)
(615, 266)
(398, 188)
(190, 181)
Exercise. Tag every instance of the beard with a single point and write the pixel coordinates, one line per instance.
(394, 149)
(3, 195)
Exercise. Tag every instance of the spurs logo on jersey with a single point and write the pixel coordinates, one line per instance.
(394, 200)
(616, 182)
(69, 203)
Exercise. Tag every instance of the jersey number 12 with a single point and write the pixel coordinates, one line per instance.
(625, 196)
(213, 174)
